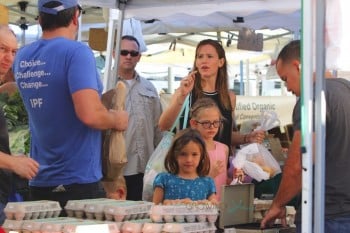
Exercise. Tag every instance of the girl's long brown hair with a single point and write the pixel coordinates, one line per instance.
(181, 139)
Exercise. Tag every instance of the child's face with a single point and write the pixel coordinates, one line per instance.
(207, 123)
(188, 159)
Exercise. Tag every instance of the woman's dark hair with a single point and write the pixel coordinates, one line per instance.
(181, 139)
(62, 19)
(221, 84)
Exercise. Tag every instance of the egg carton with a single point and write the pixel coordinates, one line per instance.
(34, 226)
(95, 210)
(76, 208)
(134, 226)
(32, 210)
(12, 225)
(199, 227)
(260, 205)
(184, 213)
(151, 227)
(127, 210)
(72, 227)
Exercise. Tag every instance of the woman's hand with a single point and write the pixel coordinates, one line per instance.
(187, 83)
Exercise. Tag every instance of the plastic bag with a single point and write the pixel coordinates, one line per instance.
(257, 162)
(268, 120)
(155, 165)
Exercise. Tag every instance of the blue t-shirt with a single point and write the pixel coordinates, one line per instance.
(47, 73)
(176, 187)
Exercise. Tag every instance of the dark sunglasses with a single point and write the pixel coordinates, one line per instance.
(132, 53)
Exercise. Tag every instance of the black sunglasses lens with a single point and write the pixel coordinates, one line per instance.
(134, 53)
(126, 52)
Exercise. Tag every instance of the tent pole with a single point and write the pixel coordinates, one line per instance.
(320, 117)
(107, 82)
(307, 114)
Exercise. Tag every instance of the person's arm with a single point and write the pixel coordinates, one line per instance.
(290, 184)
(257, 136)
(238, 138)
(9, 88)
(213, 199)
(92, 112)
(158, 195)
(21, 165)
(169, 115)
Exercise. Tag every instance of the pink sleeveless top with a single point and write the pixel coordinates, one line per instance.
(216, 155)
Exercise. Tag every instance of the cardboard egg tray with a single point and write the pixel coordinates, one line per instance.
(108, 209)
(198, 227)
(76, 208)
(32, 210)
(184, 213)
(53, 225)
(128, 210)
(146, 226)
(71, 227)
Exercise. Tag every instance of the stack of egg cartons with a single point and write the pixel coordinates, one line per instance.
(108, 209)
(186, 218)
(130, 216)
(17, 212)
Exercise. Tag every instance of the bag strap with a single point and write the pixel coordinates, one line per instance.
(185, 107)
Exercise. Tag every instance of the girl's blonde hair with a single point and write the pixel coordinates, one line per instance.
(201, 104)
(181, 139)
(205, 103)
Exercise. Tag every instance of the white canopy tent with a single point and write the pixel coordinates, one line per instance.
(188, 16)
(165, 16)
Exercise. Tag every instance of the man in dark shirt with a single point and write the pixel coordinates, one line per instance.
(337, 162)
(21, 165)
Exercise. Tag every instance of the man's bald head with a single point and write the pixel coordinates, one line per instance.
(8, 48)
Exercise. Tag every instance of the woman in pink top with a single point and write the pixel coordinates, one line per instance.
(207, 119)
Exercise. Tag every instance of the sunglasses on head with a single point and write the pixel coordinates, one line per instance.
(132, 53)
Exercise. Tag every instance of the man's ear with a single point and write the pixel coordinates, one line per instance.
(76, 18)
(297, 64)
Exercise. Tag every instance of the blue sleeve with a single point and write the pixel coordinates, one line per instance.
(159, 181)
(211, 186)
(82, 72)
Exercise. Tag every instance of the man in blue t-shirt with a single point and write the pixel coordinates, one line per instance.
(61, 90)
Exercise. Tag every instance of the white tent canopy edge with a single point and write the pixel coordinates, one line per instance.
(165, 16)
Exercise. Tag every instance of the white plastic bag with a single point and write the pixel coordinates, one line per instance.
(268, 120)
(257, 162)
(155, 165)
